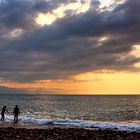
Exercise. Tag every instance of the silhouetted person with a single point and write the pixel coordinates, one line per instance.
(16, 113)
(3, 112)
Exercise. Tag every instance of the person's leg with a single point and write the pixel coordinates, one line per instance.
(2, 117)
(17, 118)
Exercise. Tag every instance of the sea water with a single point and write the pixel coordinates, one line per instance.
(116, 112)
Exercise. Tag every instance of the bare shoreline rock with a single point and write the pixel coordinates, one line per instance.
(65, 133)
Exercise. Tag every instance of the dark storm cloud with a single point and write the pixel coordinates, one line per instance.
(21, 14)
(16, 14)
(70, 45)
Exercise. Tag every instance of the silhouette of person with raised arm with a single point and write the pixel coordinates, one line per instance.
(3, 112)
(16, 113)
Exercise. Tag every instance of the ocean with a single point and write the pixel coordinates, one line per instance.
(114, 112)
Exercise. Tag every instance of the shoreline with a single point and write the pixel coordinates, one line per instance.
(131, 125)
(23, 131)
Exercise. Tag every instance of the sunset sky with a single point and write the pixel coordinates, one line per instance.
(70, 46)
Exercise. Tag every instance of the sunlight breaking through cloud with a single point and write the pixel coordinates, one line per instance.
(109, 4)
(61, 11)
(136, 51)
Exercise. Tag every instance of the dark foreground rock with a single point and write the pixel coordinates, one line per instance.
(58, 133)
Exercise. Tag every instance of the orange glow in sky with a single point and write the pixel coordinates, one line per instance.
(102, 82)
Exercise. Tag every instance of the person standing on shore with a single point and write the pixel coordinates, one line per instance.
(3, 112)
(16, 113)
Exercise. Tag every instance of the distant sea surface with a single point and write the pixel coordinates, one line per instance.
(87, 111)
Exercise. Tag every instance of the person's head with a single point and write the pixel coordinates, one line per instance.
(4, 106)
(16, 106)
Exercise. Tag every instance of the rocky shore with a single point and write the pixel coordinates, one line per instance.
(64, 133)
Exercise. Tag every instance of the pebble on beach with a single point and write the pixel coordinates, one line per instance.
(58, 133)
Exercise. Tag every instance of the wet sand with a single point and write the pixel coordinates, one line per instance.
(21, 131)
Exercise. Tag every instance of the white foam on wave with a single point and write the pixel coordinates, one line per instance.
(122, 126)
